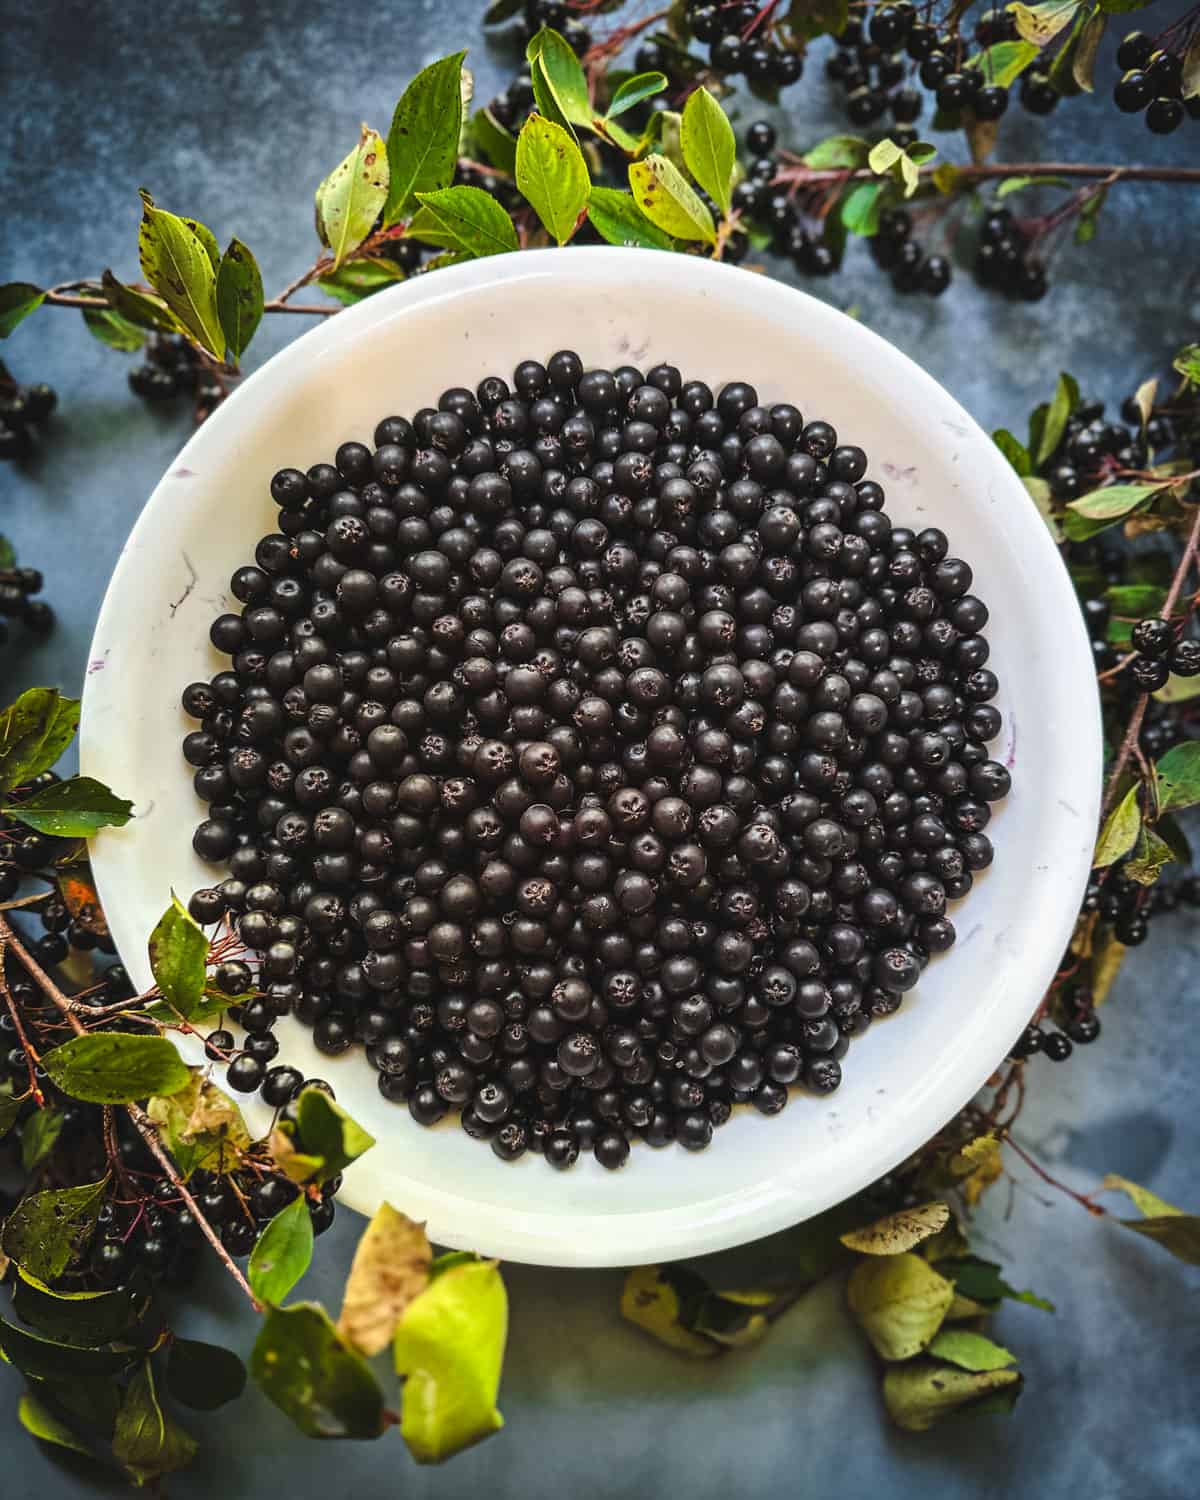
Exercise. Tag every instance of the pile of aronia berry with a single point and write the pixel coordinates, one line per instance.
(597, 753)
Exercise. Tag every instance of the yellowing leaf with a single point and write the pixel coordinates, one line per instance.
(351, 197)
(390, 1268)
(651, 1303)
(899, 1302)
(667, 199)
(1120, 831)
(920, 1394)
(899, 1231)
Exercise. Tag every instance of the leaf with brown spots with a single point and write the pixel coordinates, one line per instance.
(390, 1268)
(350, 199)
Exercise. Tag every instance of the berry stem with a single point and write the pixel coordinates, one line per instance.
(31, 1054)
(796, 171)
(1035, 1166)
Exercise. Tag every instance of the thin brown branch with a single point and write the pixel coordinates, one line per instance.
(992, 171)
(31, 1055)
(145, 1127)
(305, 309)
(1035, 1166)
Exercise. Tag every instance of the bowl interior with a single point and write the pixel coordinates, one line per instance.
(397, 352)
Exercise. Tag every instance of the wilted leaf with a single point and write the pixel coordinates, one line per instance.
(72, 809)
(303, 1367)
(391, 1267)
(553, 175)
(422, 144)
(1083, 64)
(449, 1350)
(283, 1253)
(78, 891)
(116, 1068)
(978, 1164)
(970, 1351)
(899, 1302)
(1171, 1227)
(1150, 854)
(204, 1376)
(352, 196)
(667, 199)
(1120, 831)
(148, 1442)
(34, 732)
(921, 1394)
(709, 149)
(299, 1166)
(1040, 24)
(47, 1231)
(202, 1127)
(652, 1301)
(176, 263)
(899, 1231)
(178, 955)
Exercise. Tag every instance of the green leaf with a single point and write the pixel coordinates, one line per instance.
(1177, 777)
(34, 732)
(709, 149)
(360, 278)
(143, 311)
(46, 1359)
(921, 1394)
(861, 207)
(10, 1108)
(1115, 501)
(1187, 362)
(970, 1351)
(77, 1317)
(178, 955)
(1012, 185)
(899, 1231)
(40, 1422)
(39, 1136)
(1003, 62)
(8, 558)
(113, 330)
(239, 296)
(351, 197)
(616, 218)
(204, 1376)
(391, 1266)
(422, 144)
(324, 1129)
(546, 101)
(633, 91)
(75, 808)
(1123, 7)
(1089, 216)
(301, 1365)
(207, 239)
(562, 72)
(91, 1399)
(981, 1281)
(17, 300)
(116, 1068)
(899, 1302)
(47, 1231)
(1040, 24)
(553, 175)
(1083, 64)
(470, 220)
(497, 144)
(1120, 830)
(667, 199)
(1148, 858)
(838, 151)
(176, 263)
(1191, 69)
(1135, 599)
(201, 1126)
(283, 1252)
(1014, 450)
(1066, 399)
(449, 1350)
(148, 1442)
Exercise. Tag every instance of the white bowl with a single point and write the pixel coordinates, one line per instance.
(396, 352)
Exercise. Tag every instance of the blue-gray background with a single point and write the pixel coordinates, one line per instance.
(233, 112)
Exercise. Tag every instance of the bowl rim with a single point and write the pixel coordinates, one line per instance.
(719, 1222)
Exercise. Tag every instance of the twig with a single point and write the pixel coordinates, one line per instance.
(1034, 1166)
(306, 309)
(31, 1056)
(145, 1127)
(990, 171)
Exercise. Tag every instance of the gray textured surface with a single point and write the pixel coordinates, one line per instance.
(233, 112)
